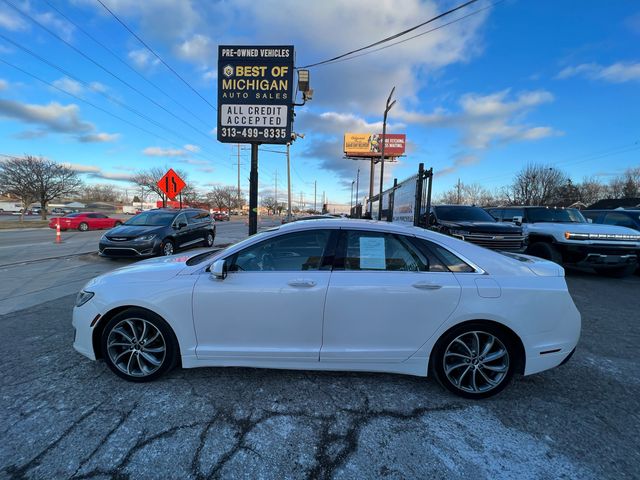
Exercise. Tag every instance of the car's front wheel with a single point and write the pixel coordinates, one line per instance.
(167, 248)
(139, 346)
(83, 227)
(545, 250)
(474, 360)
(209, 239)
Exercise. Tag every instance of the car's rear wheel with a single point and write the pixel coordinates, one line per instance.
(139, 346)
(209, 239)
(83, 227)
(545, 250)
(474, 360)
(167, 248)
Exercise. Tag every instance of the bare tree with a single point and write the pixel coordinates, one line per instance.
(53, 180)
(223, 198)
(467, 194)
(100, 193)
(16, 178)
(536, 184)
(270, 204)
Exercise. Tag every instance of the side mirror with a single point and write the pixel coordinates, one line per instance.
(219, 269)
(590, 220)
(432, 219)
(517, 220)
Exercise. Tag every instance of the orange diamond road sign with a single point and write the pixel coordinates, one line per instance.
(171, 184)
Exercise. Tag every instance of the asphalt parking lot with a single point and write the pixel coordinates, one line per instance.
(63, 416)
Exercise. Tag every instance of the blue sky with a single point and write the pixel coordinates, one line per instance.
(522, 81)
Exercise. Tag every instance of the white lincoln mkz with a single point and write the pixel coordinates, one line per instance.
(335, 295)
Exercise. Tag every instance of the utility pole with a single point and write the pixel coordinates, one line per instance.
(288, 184)
(357, 186)
(315, 189)
(253, 191)
(238, 206)
(276, 191)
(388, 107)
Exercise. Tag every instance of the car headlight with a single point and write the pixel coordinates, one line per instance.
(145, 238)
(602, 236)
(462, 233)
(83, 297)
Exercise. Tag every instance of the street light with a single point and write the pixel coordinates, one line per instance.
(294, 135)
(388, 107)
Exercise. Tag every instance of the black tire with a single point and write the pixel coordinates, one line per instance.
(545, 250)
(484, 389)
(167, 245)
(209, 238)
(615, 272)
(167, 360)
(83, 227)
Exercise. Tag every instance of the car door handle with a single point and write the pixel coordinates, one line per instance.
(426, 286)
(301, 282)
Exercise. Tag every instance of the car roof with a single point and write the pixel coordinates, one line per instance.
(349, 223)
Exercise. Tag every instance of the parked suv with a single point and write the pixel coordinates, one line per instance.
(474, 225)
(564, 236)
(159, 232)
(623, 218)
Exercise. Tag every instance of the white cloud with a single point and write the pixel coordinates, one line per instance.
(199, 49)
(143, 59)
(98, 87)
(619, 72)
(59, 25)
(69, 85)
(80, 168)
(10, 20)
(164, 152)
(52, 117)
(99, 137)
(4, 85)
(192, 148)
(487, 119)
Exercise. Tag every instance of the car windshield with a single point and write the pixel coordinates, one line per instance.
(152, 219)
(555, 215)
(463, 214)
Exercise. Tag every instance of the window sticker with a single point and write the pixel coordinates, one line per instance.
(372, 255)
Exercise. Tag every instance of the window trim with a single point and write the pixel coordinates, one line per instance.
(326, 260)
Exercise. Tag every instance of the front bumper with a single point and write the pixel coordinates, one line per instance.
(599, 255)
(128, 249)
(83, 319)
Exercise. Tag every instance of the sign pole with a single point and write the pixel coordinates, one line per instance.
(253, 191)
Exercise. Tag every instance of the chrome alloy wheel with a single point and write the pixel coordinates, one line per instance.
(476, 362)
(167, 249)
(209, 239)
(136, 347)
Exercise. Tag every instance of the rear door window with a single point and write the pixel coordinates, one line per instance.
(620, 219)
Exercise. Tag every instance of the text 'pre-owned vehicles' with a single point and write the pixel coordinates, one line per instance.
(159, 232)
(84, 221)
(475, 225)
(335, 295)
(564, 236)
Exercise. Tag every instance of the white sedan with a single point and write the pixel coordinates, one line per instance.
(335, 295)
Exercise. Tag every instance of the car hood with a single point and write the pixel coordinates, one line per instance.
(132, 231)
(483, 227)
(158, 269)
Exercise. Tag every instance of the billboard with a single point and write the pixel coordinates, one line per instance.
(370, 144)
(255, 94)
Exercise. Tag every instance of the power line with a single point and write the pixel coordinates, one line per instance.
(109, 97)
(156, 55)
(126, 64)
(418, 35)
(106, 70)
(94, 105)
(392, 37)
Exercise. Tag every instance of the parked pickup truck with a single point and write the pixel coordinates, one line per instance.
(474, 225)
(564, 236)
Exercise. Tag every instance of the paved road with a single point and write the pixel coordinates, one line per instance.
(62, 416)
(34, 269)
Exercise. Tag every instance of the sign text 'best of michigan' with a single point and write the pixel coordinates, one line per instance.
(255, 94)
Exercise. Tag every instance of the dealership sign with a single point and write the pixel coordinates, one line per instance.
(370, 144)
(255, 94)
